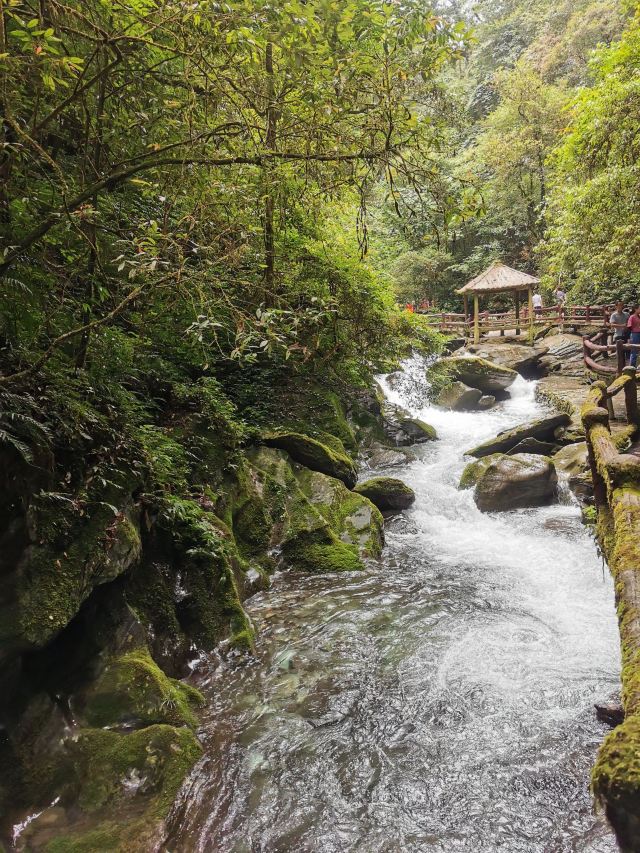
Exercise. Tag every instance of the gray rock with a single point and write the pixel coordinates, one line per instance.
(486, 376)
(532, 445)
(458, 397)
(543, 429)
(515, 482)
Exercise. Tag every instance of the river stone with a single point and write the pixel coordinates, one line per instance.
(519, 357)
(515, 482)
(572, 459)
(379, 456)
(532, 445)
(413, 431)
(487, 402)
(474, 471)
(458, 397)
(314, 455)
(479, 373)
(544, 429)
(387, 493)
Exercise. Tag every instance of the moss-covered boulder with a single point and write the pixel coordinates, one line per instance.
(133, 691)
(387, 493)
(543, 429)
(122, 785)
(514, 482)
(533, 445)
(315, 455)
(67, 560)
(305, 519)
(486, 376)
(474, 471)
(415, 431)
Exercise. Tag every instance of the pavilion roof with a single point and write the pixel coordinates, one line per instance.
(500, 278)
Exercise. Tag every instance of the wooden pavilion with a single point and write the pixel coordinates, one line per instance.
(500, 279)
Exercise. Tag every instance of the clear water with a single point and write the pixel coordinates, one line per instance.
(441, 701)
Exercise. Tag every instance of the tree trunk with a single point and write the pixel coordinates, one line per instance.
(269, 202)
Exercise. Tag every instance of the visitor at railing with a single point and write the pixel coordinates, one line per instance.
(634, 326)
(560, 297)
(537, 303)
(619, 323)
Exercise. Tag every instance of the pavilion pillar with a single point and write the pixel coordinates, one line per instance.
(517, 312)
(476, 319)
(531, 328)
(466, 314)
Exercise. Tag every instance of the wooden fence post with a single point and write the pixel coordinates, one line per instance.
(620, 354)
(631, 397)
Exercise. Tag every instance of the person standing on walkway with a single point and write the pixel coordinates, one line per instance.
(634, 326)
(537, 304)
(619, 322)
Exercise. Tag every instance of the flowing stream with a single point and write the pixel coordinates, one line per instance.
(440, 701)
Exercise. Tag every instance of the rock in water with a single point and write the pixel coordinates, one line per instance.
(572, 459)
(478, 373)
(524, 359)
(611, 713)
(512, 482)
(543, 429)
(387, 493)
(458, 397)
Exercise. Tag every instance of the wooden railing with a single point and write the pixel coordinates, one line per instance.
(596, 347)
(574, 316)
(616, 481)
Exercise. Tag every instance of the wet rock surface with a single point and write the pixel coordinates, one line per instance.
(543, 429)
(387, 493)
(513, 482)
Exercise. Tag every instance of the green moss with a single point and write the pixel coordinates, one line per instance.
(210, 605)
(149, 592)
(307, 554)
(59, 579)
(387, 493)
(616, 780)
(105, 838)
(314, 455)
(428, 432)
(133, 689)
(474, 470)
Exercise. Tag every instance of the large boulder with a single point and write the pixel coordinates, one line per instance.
(525, 360)
(543, 429)
(486, 376)
(387, 493)
(513, 482)
(315, 455)
(533, 445)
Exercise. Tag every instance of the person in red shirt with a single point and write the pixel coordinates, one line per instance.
(634, 325)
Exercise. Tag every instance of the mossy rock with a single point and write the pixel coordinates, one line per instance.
(54, 581)
(317, 524)
(474, 470)
(132, 690)
(135, 776)
(479, 373)
(310, 553)
(542, 429)
(387, 493)
(351, 515)
(616, 782)
(515, 482)
(314, 455)
(419, 431)
(209, 607)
